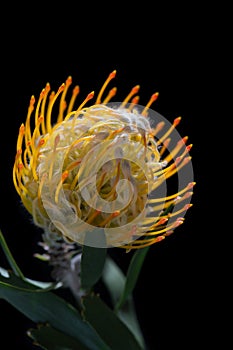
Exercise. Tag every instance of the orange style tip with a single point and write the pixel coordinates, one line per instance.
(162, 221)
(42, 93)
(32, 100)
(167, 141)
(64, 175)
(57, 139)
(168, 233)
(64, 104)
(187, 206)
(61, 88)
(135, 99)
(113, 91)
(188, 148)
(160, 125)
(112, 75)
(176, 121)
(41, 142)
(154, 96)
(178, 222)
(187, 159)
(183, 140)
(188, 194)
(177, 160)
(160, 238)
(21, 129)
(20, 166)
(52, 94)
(90, 95)
(47, 87)
(135, 89)
(69, 80)
(76, 89)
(40, 119)
(116, 213)
(191, 185)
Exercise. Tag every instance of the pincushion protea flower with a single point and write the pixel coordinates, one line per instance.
(102, 167)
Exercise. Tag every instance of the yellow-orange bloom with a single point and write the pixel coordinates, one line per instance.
(101, 168)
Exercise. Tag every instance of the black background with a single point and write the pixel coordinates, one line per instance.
(171, 57)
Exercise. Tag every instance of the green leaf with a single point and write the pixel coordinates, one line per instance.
(51, 339)
(9, 256)
(114, 280)
(43, 286)
(132, 274)
(111, 329)
(92, 261)
(47, 307)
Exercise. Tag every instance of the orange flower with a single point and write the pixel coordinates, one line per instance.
(102, 168)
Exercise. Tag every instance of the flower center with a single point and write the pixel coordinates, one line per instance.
(98, 168)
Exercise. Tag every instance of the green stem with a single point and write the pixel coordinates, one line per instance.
(10, 258)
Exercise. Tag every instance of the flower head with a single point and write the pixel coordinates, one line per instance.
(101, 168)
